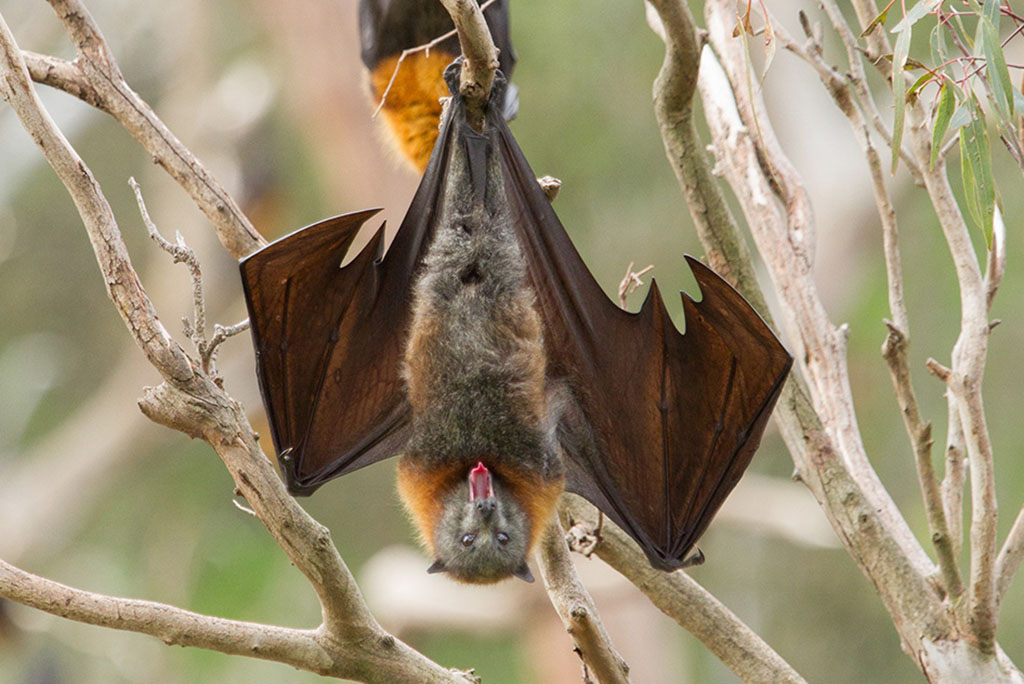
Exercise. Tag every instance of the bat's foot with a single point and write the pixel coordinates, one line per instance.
(696, 558)
(583, 539)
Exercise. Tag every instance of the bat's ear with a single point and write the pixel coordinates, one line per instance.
(438, 566)
(523, 573)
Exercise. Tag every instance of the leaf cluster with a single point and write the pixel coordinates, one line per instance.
(966, 63)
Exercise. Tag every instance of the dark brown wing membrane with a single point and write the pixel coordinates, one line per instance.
(658, 426)
(329, 339)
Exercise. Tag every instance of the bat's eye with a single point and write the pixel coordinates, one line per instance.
(502, 538)
(467, 539)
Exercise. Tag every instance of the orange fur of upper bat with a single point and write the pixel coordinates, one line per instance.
(412, 107)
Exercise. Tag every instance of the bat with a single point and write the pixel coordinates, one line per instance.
(479, 347)
(410, 90)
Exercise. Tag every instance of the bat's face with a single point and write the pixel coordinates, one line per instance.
(483, 534)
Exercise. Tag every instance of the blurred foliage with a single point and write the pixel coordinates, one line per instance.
(965, 61)
(163, 527)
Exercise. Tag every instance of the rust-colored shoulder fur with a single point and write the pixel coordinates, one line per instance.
(422, 489)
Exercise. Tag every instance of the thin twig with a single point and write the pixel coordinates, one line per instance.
(100, 82)
(631, 282)
(182, 254)
(1010, 557)
(245, 509)
(221, 333)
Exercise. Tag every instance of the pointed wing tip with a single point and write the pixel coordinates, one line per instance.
(706, 276)
(358, 218)
(652, 298)
(717, 292)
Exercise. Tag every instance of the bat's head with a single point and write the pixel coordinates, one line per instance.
(483, 534)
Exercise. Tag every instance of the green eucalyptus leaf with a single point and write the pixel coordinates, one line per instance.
(976, 171)
(995, 60)
(880, 19)
(899, 92)
(961, 117)
(943, 114)
(915, 14)
(937, 44)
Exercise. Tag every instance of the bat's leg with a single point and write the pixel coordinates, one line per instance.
(597, 532)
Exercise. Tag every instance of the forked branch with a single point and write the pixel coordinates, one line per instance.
(95, 77)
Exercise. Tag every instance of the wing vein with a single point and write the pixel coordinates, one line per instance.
(691, 524)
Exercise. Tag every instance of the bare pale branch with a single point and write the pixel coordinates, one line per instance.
(894, 349)
(99, 81)
(967, 371)
(686, 602)
(480, 53)
(576, 608)
(956, 475)
(63, 75)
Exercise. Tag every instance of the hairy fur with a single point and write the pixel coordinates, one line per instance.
(412, 107)
(475, 375)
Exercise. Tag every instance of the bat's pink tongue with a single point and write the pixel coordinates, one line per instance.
(480, 483)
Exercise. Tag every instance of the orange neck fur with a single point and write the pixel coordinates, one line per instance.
(423, 490)
(412, 108)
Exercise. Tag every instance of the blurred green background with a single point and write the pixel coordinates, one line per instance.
(270, 95)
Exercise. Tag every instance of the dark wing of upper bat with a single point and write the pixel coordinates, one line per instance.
(329, 339)
(657, 426)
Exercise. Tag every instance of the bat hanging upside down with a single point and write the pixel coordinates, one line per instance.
(481, 349)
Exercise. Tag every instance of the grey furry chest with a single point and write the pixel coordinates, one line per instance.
(475, 359)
